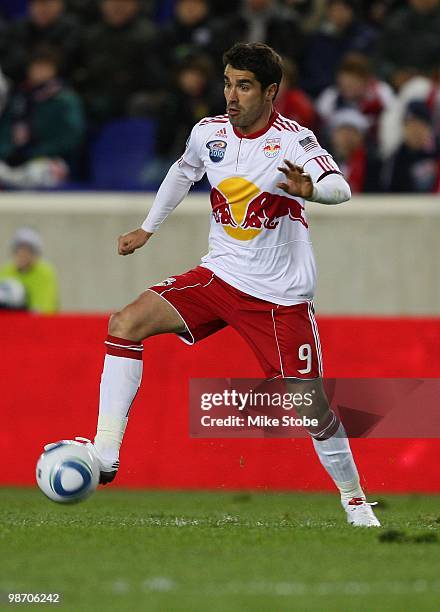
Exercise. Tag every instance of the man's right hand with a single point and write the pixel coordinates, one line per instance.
(129, 242)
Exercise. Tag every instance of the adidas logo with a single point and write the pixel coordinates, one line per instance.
(222, 133)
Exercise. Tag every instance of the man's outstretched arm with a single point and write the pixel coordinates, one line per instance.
(330, 188)
(172, 191)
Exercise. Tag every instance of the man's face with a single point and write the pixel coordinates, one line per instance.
(352, 86)
(119, 12)
(45, 12)
(258, 5)
(245, 99)
(340, 15)
(24, 257)
(424, 6)
(40, 72)
(191, 12)
(346, 139)
(417, 133)
(192, 81)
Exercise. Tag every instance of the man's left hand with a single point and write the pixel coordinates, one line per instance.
(298, 182)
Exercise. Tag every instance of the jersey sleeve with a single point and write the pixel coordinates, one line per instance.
(193, 167)
(173, 189)
(315, 160)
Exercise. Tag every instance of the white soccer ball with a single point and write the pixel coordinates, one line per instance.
(67, 471)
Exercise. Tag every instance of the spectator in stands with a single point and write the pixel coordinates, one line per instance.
(261, 21)
(188, 33)
(376, 12)
(410, 41)
(418, 87)
(37, 276)
(340, 33)
(116, 60)
(291, 101)
(310, 12)
(4, 91)
(196, 95)
(415, 167)
(2, 37)
(356, 87)
(433, 98)
(44, 118)
(357, 160)
(47, 24)
(87, 11)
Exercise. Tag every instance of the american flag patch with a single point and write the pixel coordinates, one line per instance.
(308, 143)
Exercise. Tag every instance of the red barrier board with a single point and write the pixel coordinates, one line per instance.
(50, 369)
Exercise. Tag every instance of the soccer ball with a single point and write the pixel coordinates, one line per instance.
(67, 471)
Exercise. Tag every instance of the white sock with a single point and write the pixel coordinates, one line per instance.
(337, 459)
(120, 382)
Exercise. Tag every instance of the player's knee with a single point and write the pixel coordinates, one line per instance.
(132, 324)
(123, 325)
(116, 324)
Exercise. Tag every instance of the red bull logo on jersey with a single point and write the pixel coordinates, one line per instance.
(244, 211)
(272, 147)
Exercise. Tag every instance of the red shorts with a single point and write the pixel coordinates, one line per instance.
(284, 338)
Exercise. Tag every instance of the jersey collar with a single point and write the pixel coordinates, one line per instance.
(263, 130)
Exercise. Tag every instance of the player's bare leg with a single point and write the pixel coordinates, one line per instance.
(329, 438)
(147, 316)
(333, 449)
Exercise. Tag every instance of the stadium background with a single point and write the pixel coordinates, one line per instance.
(378, 300)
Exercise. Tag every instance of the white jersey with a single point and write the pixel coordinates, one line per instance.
(259, 238)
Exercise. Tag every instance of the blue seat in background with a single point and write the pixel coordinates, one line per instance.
(121, 152)
(164, 11)
(12, 9)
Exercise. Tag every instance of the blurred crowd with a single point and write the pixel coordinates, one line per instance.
(28, 281)
(364, 75)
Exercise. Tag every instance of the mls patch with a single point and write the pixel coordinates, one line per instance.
(272, 147)
(217, 149)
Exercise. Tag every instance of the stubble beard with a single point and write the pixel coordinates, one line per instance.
(247, 117)
(243, 119)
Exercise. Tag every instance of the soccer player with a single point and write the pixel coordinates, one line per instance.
(259, 274)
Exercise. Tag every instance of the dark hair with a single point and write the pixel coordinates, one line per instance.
(353, 4)
(46, 53)
(258, 58)
(200, 62)
(416, 109)
(290, 72)
(357, 64)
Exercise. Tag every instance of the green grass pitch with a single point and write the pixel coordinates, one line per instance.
(219, 552)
